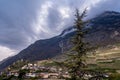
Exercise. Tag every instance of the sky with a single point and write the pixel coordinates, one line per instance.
(22, 22)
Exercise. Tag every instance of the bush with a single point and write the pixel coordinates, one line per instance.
(115, 76)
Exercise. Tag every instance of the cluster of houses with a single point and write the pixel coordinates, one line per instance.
(40, 72)
(44, 72)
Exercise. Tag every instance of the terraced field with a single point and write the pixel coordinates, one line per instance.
(107, 60)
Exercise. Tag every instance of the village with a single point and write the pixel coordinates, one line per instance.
(33, 70)
(36, 71)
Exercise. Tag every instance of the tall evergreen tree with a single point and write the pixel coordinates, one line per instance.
(75, 61)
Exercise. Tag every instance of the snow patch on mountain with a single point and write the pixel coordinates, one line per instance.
(67, 31)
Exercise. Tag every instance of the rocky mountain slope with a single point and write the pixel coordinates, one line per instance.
(104, 30)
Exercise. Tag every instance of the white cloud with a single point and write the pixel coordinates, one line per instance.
(65, 12)
(6, 52)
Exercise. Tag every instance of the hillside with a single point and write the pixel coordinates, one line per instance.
(104, 31)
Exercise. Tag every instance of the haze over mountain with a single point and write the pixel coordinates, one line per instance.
(105, 31)
(25, 21)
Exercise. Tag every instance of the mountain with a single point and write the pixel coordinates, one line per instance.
(41, 49)
(105, 31)
(106, 28)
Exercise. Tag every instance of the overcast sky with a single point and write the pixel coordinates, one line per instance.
(22, 22)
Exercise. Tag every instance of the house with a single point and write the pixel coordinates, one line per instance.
(49, 75)
(31, 75)
(14, 72)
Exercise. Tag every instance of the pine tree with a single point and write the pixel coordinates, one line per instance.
(75, 61)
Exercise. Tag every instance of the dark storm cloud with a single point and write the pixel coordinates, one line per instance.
(16, 17)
